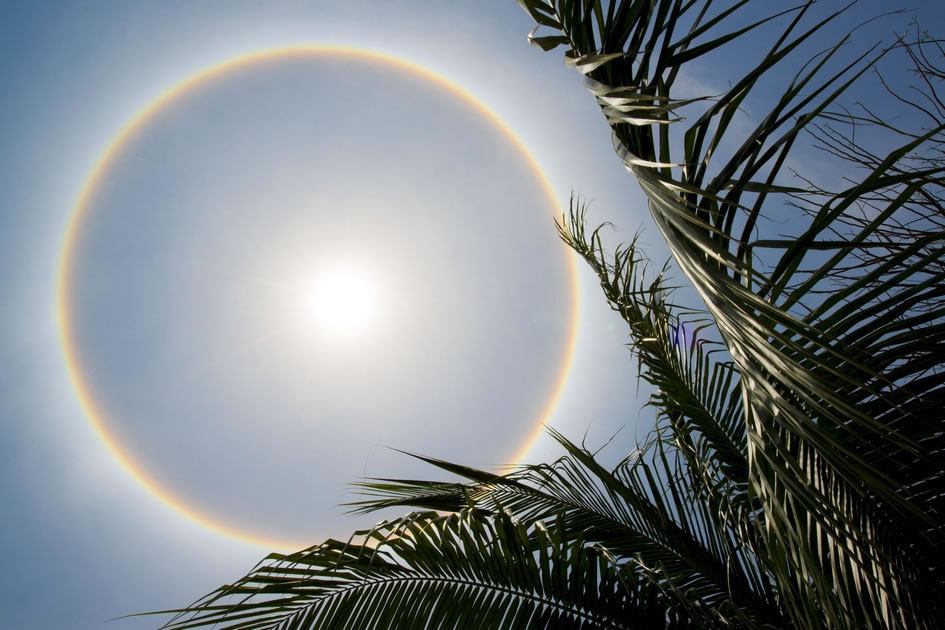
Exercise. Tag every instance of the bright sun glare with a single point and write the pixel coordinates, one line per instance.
(340, 301)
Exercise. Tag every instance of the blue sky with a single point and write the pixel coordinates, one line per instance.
(217, 209)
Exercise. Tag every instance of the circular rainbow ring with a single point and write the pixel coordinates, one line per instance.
(102, 166)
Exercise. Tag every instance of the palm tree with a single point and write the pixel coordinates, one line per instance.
(795, 476)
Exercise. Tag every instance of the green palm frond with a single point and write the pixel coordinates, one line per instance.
(425, 570)
(694, 390)
(647, 513)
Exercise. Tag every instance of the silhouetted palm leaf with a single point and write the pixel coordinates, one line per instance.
(431, 571)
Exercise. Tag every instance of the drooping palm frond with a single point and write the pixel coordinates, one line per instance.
(426, 570)
(646, 513)
(694, 391)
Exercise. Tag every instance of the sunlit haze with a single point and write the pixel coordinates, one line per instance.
(340, 301)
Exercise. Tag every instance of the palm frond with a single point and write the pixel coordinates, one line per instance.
(647, 513)
(694, 390)
(425, 570)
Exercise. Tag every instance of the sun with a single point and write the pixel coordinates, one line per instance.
(339, 301)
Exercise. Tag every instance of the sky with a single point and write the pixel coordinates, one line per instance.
(276, 273)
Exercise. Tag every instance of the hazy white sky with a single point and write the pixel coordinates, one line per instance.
(194, 269)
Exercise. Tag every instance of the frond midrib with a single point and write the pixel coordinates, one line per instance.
(375, 581)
